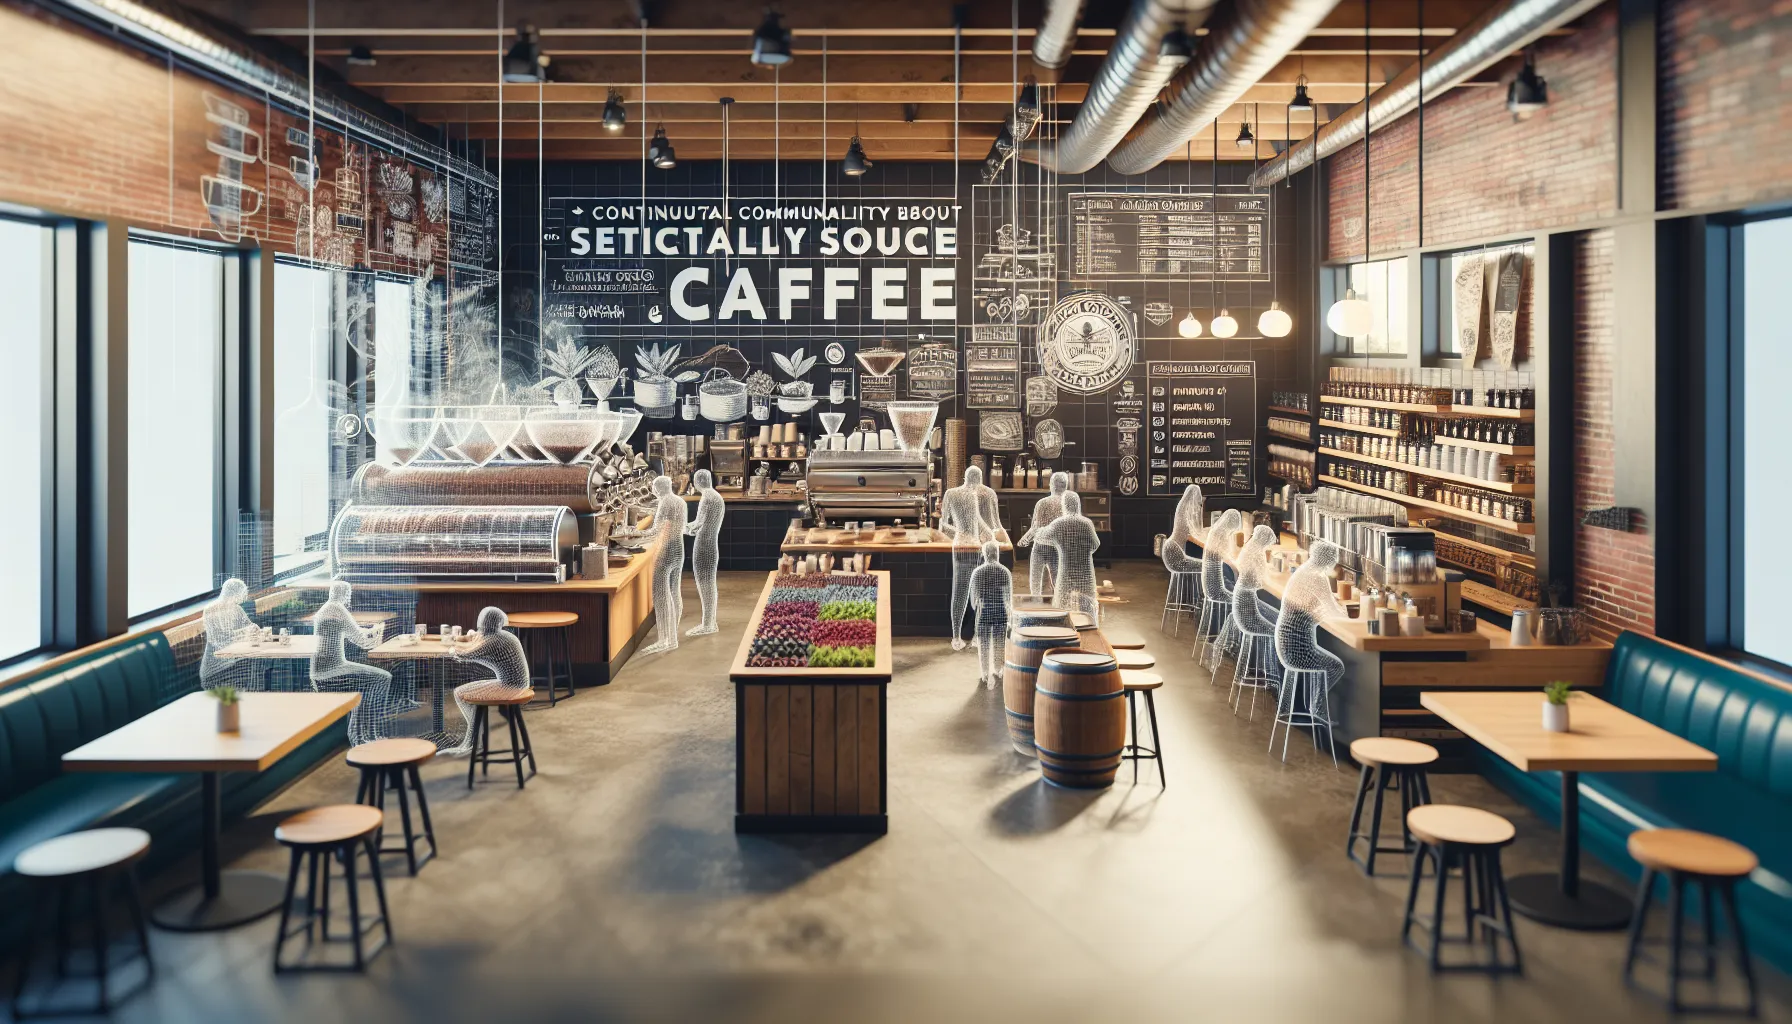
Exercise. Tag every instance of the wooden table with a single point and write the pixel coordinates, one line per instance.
(183, 737)
(1601, 738)
(301, 648)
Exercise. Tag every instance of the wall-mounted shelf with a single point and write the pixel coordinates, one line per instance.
(1491, 485)
(1489, 597)
(1492, 411)
(1297, 481)
(1290, 411)
(1435, 410)
(1361, 428)
(1488, 446)
(1525, 558)
(1448, 511)
(1283, 436)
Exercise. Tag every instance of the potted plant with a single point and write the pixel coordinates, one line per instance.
(1555, 706)
(230, 708)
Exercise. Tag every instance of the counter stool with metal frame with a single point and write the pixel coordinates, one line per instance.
(1135, 660)
(1255, 669)
(1181, 597)
(1712, 863)
(509, 700)
(1388, 763)
(1468, 838)
(540, 632)
(334, 833)
(393, 763)
(67, 863)
(1311, 685)
(1134, 682)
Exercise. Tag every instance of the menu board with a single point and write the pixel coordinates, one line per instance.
(1202, 426)
(1143, 236)
(992, 367)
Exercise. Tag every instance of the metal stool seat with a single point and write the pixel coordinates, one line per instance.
(1305, 700)
(540, 632)
(1134, 682)
(394, 763)
(336, 833)
(1181, 597)
(1388, 763)
(1255, 669)
(509, 700)
(89, 860)
(1470, 839)
(1712, 863)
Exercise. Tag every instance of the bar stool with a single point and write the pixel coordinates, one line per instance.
(1134, 682)
(1712, 863)
(394, 763)
(1388, 763)
(1215, 634)
(1123, 639)
(334, 833)
(509, 700)
(1311, 685)
(1254, 669)
(1181, 597)
(87, 859)
(539, 632)
(1471, 839)
(1134, 660)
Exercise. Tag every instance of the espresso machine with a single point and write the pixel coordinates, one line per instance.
(879, 485)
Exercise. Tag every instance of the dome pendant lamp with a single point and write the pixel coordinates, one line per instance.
(1275, 322)
(1223, 325)
(1351, 317)
(1189, 327)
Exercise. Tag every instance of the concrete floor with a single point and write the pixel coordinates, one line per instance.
(613, 888)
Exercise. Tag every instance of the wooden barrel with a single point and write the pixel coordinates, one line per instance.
(1079, 718)
(1025, 649)
(1036, 615)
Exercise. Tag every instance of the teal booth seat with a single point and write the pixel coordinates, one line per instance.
(46, 714)
(1746, 720)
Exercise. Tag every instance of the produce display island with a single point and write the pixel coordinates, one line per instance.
(920, 570)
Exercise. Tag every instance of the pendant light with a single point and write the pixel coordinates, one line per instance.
(525, 63)
(1529, 92)
(660, 152)
(1301, 100)
(1188, 326)
(855, 163)
(1224, 326)
(1274, 322)
(1351, 317)
(615, 114)
(360, 57)
(1245, 139)
(771, 42)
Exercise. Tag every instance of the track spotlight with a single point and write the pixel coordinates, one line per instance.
(615, 115)
(855, 164)
(360, 57)
(771, 42)
(660, 151)
(525, 62)
(1528, 93)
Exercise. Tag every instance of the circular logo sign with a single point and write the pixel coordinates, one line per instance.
(1086, 342)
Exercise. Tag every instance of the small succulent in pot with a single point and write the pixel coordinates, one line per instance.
(230, 708)
(1555, 706)
(565, 362)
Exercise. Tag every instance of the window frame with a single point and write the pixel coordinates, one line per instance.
(52, 287)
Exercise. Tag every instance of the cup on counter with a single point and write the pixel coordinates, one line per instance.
(1465, 621)
(421, 631)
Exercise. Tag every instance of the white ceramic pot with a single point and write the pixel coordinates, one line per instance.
(1555, 717)
(230, 717)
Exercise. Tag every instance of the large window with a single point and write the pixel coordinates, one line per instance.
(25, 327)
(175, 421)
(302, 416)
(1765, 488)
(1383, 285)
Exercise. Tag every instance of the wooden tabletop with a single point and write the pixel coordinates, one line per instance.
(879, 671)
(1601, 738)
(300, 647)
(879, 541)
(183, 736)
(396, 649)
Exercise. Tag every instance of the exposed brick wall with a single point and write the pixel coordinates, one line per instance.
(1614, 573)
(1726, 99)
(1487, 173)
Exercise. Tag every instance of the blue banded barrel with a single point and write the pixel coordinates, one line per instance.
(1036, 615)
(1019, 667)
(1079, 718)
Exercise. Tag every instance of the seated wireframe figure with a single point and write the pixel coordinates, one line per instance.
(1190, 511)
(968, 516)
(1307, 601)
(706, 550)
(225, 624)
(1219, 631)
(1042, 564)
(669, 512)
(992, 591)
(499, 650)
(1074, 539)
(1248, 609)
(332, 670)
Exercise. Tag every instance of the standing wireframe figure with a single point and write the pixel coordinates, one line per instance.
(1307, 601)
(706, 550)
(495, 648)
(669, 513)
(992, 591)
(968, 515)
(333, 670)
(1041, 563)
(225, 624)
(1072, 536)
(1248, 609)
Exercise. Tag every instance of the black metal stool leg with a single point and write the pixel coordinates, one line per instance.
(572, 688)
(1639, 915)
(34, 926)
(1676, 928)
(429, 830)
(292, 883)
(1157, 739)
(379, 892)
(404, 813)
(1442, 879)
(528, 744)
(516, 744)
(97, 910)
(473, 753)
(1727, 893)
(1364, 780)
(354, 905)
(135, 892)
(1132, 719)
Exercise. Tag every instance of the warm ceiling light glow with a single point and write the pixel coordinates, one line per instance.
(1275, 322)
(1223, 325)
(1189, 327)
(1350, 317)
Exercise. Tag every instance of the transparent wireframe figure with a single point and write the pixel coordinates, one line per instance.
(225, 624)
(1072, 536)
(1216, 548)
(1248, 609)
(669, 512)
(968, 516)
(497, 649)
(706, 550)
(1308, 601)
(333, 670)
(1041, 563)
(992, 591)
(1190, 511)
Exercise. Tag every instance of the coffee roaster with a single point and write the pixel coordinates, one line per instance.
(403, 543)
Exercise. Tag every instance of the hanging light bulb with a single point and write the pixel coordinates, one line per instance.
(1350, 317)
(1189, 327)
(1223, 325)
(1275, 322)
(771, 42)
(855, 164)
(660, 152)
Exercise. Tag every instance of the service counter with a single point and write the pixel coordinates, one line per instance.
(1384, 675)
(920, 571)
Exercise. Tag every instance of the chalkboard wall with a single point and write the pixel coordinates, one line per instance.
(1087, 296)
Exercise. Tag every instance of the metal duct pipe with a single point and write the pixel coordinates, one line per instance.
(1485, 41)
(1244, 44)
(1056, 37)
(1124, 87)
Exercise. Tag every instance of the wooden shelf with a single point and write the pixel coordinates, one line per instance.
(1490, 597)
(1361, 428)
(1273, 432)
(1290, 411)
(1524, 490)
(1487, 446)
(1492, 411)
(1523, 557)
(1370, 403)
(1448, 511)
(1293, 480)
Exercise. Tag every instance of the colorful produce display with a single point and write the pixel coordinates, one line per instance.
(818, 620)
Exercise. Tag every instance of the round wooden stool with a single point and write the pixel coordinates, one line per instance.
(539, 632)
(82, 859)
(334, 833)
(1471, 839)
(1136, 661)
(1712, 863)
(1123, 639)
(482, 696)
(394, 763)
(1134, 682)
(1388, 763)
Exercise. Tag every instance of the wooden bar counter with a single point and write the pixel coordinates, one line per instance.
(920, 571)
(811, 744)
